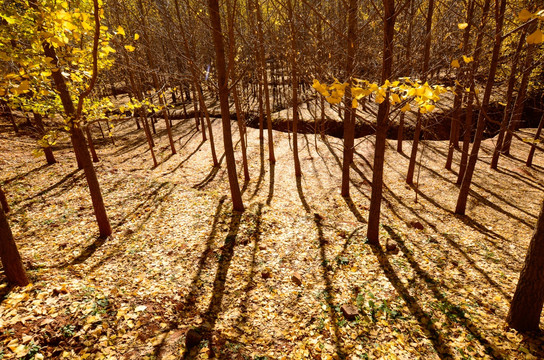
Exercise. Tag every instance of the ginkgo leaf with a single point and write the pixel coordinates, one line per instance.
(462, 26)
(121, 31)
(468, 59)
(136, 36)
(130, 48)
(333, 100)
(406, 108)
(535, 38)
(524, 15)
(455, 63)
(354, 103)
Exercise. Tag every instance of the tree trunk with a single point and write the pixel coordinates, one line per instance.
(500, 6)
(520, 99)
(78, 140)
(526, 306)
(91, 143)
(239, 115)
(49, 157)
(382, 124)
(508, 107)
(424, 72)
(215, 20)
(10, 116)
(349, 116)
(529, 162)
(294, 85)
(11, 260)
(264, 80)
(458, 99)
(470, 102)
(4, 201)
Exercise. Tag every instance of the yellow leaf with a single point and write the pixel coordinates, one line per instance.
(395, 98)
(130, 48)
(524, 15)
(121, 31)
(136, 36)
(468, 59)
(333, 100)
(406, 108)
(455, 63)
(462, 26)
(354, 103)
(535, 38)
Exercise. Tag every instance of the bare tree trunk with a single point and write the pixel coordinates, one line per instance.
(470, 102)
(4, 201)
(239, 115)
(11, 260)
(294, 85)
(400, 133)
(382, 124)
(264, 80)
(521, 97)
(91, 143)
(500, 6)
(508, 107)
(215, 20)
(458, 99)
(526, 306)
(533, 146)
(349, 116)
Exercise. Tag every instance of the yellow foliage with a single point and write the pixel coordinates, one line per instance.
(535, 38)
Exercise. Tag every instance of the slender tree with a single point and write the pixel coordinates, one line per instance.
(500, 6)
(222, 83)
(526, 306)
(11, 260)
(373, 232)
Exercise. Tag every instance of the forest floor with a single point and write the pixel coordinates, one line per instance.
(184, 276)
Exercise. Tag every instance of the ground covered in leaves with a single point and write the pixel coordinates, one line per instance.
(184, 276)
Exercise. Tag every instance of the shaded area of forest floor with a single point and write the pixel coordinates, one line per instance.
(183, 269)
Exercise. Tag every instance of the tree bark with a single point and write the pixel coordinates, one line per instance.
(382, 124)
(529, 162)
(458, 99)
(78, 139)
(49, 157)
(294, 85)
(508, 107)
(500, 6)
(4, 201)
(470, 102)
(222, 82)
(526, 306)
(424, 72)
(349, 115)
(11, 260)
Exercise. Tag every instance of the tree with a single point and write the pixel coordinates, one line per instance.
(222, 82)
(526, 306)
(500, 6)
(73, 117)
(373, 231)
(11, 260)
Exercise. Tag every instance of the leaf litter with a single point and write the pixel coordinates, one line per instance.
(184, 275)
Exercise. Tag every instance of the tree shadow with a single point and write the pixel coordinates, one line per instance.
(23, 175)
(214, 309)
(209, 178)
(261, 170)
(454, 313)
(329, 289)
